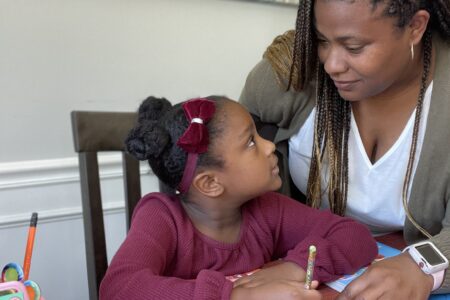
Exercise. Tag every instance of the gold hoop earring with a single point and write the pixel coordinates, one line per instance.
(412, 52)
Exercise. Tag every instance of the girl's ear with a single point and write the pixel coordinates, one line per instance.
(418, 25)
(207, 183)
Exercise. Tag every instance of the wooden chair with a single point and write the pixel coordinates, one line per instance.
(95, 132)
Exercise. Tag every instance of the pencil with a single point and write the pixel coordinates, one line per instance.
(30, 243)
(310, 267)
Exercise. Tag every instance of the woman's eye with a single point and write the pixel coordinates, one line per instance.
(354, 49)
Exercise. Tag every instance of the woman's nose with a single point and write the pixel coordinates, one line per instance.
(334, 62)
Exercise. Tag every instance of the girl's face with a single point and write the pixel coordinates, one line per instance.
(362, 50)
(251, 166)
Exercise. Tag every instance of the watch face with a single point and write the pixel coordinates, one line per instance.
(432, 257)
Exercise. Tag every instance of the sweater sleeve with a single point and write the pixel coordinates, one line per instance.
(137, 270)
(343, 245)
(263, 97)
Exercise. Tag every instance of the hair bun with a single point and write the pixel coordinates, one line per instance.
(147, 140)
(152, 109)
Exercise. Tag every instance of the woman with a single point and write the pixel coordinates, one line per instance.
(361, 95)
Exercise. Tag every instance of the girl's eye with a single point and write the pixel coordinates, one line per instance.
(251, 142)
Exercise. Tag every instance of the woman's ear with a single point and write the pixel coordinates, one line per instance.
(418, 26)
(208, 184)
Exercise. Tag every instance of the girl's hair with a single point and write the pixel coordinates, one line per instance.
(155, 136)
(333, 112)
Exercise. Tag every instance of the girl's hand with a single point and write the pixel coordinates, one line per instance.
(398, 277)
(279, 271)
(276, 290)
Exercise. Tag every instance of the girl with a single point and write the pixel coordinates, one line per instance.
(223, 217)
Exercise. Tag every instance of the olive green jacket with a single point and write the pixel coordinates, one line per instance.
(264, 97)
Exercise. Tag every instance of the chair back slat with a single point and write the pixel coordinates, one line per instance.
(94, 232)
(132, 184)
(94, 132)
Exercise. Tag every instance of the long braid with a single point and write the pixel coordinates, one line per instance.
(332, 122)
(333, 114)
(304, 57)
(412, 154)
(440, 16)
(314, 186)
(279, 53)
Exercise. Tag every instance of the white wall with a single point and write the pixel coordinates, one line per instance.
(63, 55)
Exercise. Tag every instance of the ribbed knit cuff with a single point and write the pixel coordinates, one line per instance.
(212, 285)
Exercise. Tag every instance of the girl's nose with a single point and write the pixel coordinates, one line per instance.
(269, 146)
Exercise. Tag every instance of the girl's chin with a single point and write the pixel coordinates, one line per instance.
(277, 183)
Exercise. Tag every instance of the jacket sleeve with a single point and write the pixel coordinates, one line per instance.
(442, 241)
(137, 270)
(343, 245)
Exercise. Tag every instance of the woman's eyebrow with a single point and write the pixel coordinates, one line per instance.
(343, 38)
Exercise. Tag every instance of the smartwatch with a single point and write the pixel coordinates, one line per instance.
(430, 260)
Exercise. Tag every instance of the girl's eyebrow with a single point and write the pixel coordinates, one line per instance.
(246, 132)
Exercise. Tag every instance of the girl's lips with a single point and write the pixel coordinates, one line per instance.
(275, 170)
(345, 85)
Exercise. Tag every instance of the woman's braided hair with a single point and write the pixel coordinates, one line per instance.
(332, 123)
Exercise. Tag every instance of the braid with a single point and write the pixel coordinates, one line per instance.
(279, 53)
(333, 113)
(412, 154)
(403, 10)
(332, 121)
(304, 56)
(440, 17)
(332, 125)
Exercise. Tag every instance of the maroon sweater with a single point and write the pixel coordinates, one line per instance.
(165, 257)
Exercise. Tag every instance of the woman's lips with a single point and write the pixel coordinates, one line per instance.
(345, 85)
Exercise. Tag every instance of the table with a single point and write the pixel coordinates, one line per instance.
(394, 240)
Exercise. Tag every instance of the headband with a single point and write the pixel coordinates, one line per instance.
(195, 139)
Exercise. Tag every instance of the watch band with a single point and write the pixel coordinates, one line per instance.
(438, 278)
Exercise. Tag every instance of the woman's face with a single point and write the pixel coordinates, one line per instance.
(362, 50)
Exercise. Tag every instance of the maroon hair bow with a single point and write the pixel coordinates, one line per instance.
(198, 112)
(195, 139)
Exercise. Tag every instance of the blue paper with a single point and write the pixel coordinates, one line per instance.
(383, 251)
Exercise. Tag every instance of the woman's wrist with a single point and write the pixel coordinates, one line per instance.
(428, 278)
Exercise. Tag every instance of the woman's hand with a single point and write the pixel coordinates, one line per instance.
(278, 271)
(276, 290)
(398, 277)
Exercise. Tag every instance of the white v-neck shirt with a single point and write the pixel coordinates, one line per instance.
(374, 190)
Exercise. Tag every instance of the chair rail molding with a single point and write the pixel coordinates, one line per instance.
(51, 187)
